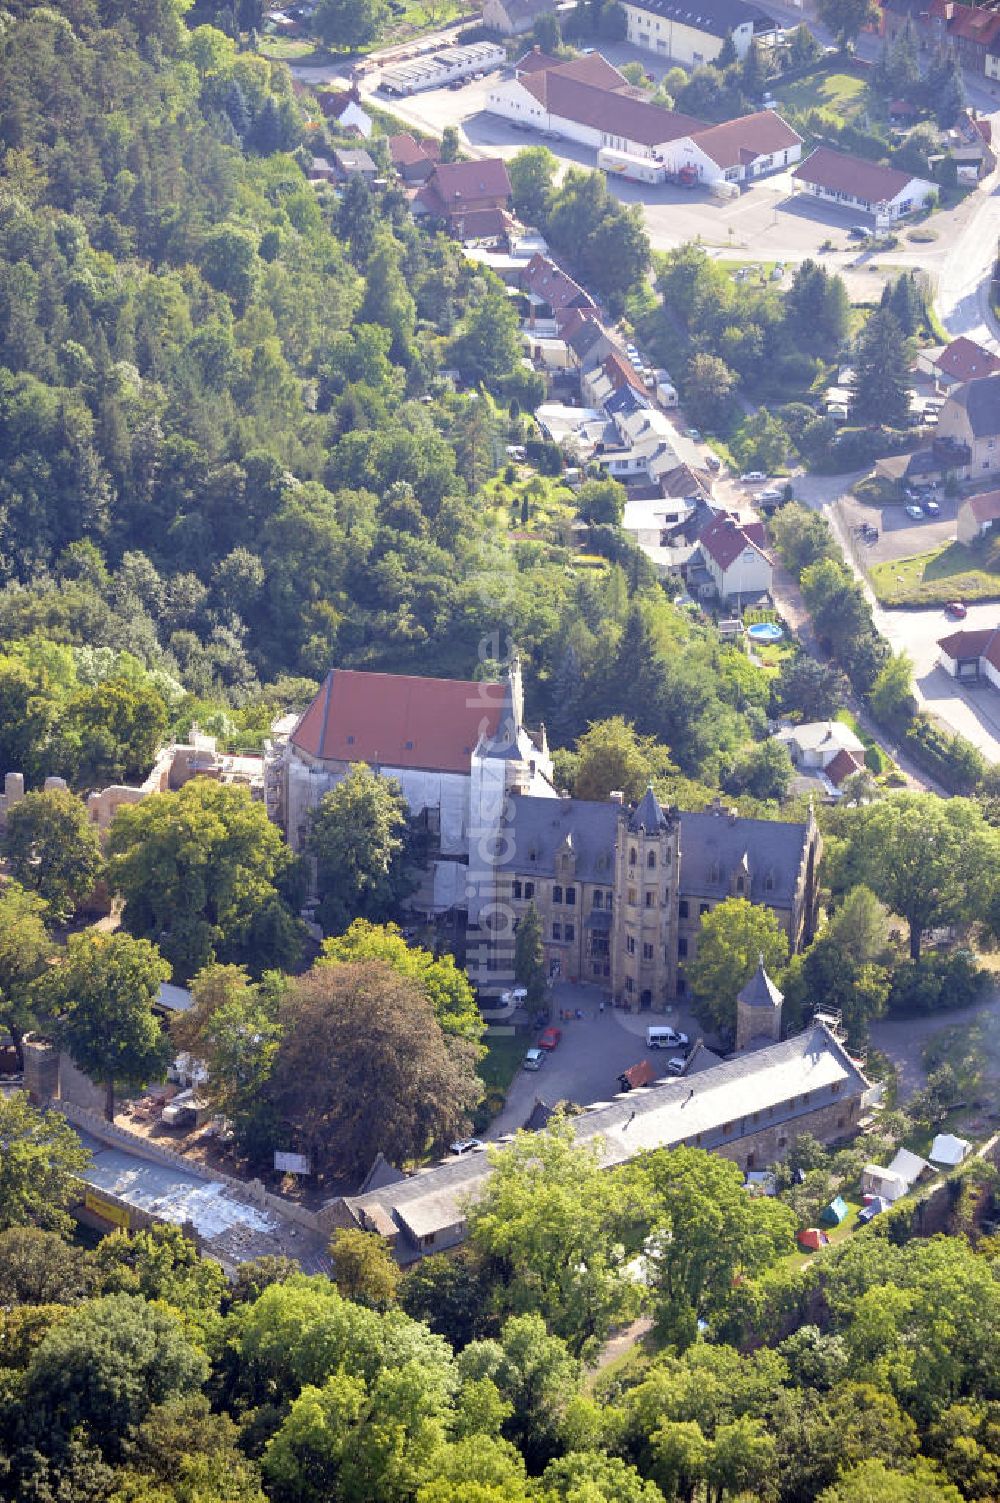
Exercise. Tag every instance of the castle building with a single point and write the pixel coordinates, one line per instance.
(456, 747)
(621, 892)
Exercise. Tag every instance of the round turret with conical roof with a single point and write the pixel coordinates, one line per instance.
(758, 1011)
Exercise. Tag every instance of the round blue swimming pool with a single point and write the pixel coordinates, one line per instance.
(765, 631)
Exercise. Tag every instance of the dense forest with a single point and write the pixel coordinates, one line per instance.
(229, 456)
(134, 1372)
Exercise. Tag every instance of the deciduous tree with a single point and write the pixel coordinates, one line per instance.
(731, 941)
(554, 1220)
(53, 849)
(612, 756)
(444, 985)
(25, 948)
(40, 1158)
(361, 1033)
(101, 995)
(357, 836)
(204, 874)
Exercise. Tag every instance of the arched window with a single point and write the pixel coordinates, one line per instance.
(651, 859)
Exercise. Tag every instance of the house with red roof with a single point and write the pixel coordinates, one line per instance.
(456, 190)
(963, 360)
(343, 108)
(413, 160)
(853, 183)
(972, 656)
(735, 559)
(590, 102)
(978, 517)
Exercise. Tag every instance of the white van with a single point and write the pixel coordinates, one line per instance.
(665, 1038)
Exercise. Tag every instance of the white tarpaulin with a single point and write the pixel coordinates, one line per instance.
(947, 1149)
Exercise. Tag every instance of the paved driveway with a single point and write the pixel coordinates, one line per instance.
(901, 536)
(903, 1039)
(592, 1053)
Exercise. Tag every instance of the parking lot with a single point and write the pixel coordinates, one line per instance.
(900, 536)
(591, 1054)
(768, 217)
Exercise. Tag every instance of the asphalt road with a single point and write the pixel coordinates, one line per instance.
(590, 1056)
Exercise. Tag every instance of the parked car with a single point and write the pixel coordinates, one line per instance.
(914, 511)
(549, 1038)
(694, 433)
(714, 463)
(957, 610)
(771, 494)
(516, 994)
(752, 477)
(870, 534)
(931, 507)
(466, 1145)
(676, 1066)
(534, 1059)
(665, 1038)
(859, 232)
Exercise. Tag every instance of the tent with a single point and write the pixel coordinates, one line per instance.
(812, 1237)
(878, 1181)
(874, 1207)
(834, 1213)
(909, 1167)
(949, 1150)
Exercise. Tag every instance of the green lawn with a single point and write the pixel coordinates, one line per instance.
(952, 572)
(501, 1062)
(840, 95)
(293, 50)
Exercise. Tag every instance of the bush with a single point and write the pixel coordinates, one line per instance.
(876, 760)
(955, 762)
(938, 982)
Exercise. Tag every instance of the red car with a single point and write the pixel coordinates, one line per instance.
(549, 1038)
(956, 610)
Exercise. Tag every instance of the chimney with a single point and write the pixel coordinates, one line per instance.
(617, 796)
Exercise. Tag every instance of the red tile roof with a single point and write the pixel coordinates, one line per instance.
(970, 23)
(963, 360)
(984, 643)
(556, 287)
(397, 720)
(620, 372)
(724, 539)
(404, 151)
(738, 141)
(535, 61)
(838, 172)
(594, 69)
(608, 111)
(985, 507)
(843, 765)
(478, 185)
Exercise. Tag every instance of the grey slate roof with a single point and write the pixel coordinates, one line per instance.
(716, 1107)
(760, 990)
(981, 400)
(717, 17)
(537, 827)
(713, 846)
(648, 814)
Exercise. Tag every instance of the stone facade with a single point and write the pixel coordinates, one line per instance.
(610, 920)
